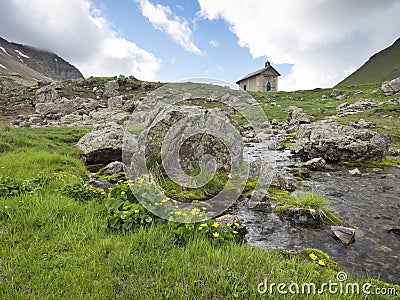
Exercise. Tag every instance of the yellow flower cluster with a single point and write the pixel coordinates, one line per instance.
(315, 258)
(202, 226)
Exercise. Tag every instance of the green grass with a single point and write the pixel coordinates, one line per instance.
(386, 162)
(307, 200)
(312, 101)
(54, 247)
(386, 118)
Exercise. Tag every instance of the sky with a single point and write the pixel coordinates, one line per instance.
(311, 44)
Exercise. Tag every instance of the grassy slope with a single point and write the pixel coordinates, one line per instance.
(314, 103)
(53, 247)
(385, 65)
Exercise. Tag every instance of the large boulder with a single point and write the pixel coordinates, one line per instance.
(105, 115)
(336, 143)
(111, 88)
(391, 87)
(48, 93)
(103, 145)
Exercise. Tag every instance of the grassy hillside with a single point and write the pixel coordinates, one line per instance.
(54, 246)
(384, 65)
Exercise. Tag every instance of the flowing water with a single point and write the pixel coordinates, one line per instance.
(369, 203)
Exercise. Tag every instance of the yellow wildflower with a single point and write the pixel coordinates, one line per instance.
(136, 211)
(194, 211)
(313, 256)
(216, 234)
(235, 232)
(215, 224)
(228, 224)
(200, 227)
(321, 262)
(236, 224)
(203, 225)
(165, 200)
(123, 193)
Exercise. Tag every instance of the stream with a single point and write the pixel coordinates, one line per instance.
(369, 203)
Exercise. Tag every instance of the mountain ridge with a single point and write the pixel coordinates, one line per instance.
(34, 63)
(382, 66)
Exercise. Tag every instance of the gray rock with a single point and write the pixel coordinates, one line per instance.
(115, 102)
(71, 119)
(361, 105)
(298, 116)
(305, 217)
(103, 145)
(315, 164)
(391, 87)
(335, 143)
(341, 97)
(335, 93)
(345, 235)
(355, 172)
(111, 89)
(47, 93)
(114, 168)
(102, 116)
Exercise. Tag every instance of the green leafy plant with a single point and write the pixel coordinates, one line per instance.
(82, 192)
(10, 187)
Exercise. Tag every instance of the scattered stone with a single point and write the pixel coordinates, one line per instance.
(357, 93)
(315, 164)
(298, 116)
(335, 93)
(114, 168)
(232, 219)
(355, 172)
(305, 217)
(362, 124)
(341, 97)
(335, 143)
(264, 207)
(391, 87)
(115, 102)
(346, 109)
(345, 235)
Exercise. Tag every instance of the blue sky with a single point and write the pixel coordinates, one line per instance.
(311, 43)
(221, 56)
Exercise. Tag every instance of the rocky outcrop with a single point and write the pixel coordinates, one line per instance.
(335, 143)
(348, 109)
(391, 87)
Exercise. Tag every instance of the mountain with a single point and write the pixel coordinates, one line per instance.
(382, 66)
(34, 63)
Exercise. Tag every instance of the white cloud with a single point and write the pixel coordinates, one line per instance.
(77, 31)
(324, 39)
(162, 18)
(214, 43)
